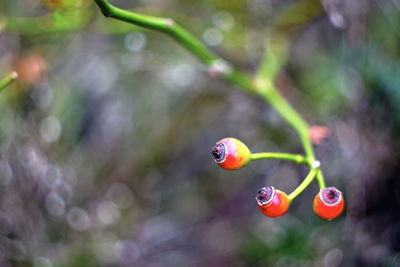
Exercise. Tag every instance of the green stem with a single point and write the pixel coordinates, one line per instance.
(320, 179)
(277, 47)
(284, 156)
(164, 25)
(266, 89)
(262, 85)
(8, 80)
(309, 178)
(168, 26)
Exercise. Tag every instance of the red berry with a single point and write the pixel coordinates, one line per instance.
(328, 203)
(231, 154)
(272, 202)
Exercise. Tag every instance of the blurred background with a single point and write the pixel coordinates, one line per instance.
(105, 139)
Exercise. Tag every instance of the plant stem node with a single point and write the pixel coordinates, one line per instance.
(218, 68)
(316, 164)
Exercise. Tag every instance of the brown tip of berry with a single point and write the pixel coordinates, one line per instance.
(219, 152)
(265, 195)
(330, 196)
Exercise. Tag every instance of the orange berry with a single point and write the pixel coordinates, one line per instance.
(231, 154)
(328, 203)
(272, 202)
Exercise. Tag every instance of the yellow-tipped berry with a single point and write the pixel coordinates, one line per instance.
(231, 154)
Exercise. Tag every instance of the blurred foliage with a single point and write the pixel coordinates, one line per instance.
(105, 138)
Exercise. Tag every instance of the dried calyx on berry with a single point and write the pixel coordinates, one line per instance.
(265, 195)
(231, 154)
(272, 202)
(328, 203)
(330, 195)
(218, 152)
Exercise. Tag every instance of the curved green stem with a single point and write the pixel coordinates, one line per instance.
(284, 156)
(309, 178)
(8, 80)
(320, 179)
(164, 25)
(262, 85)
(218, 66)
(267, 90)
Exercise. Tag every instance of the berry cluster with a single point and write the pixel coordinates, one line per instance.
(231, 154)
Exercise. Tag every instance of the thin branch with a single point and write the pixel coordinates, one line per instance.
(283, 156)
(275, 56)
(309, 178)
(267, 90)
(217, 66)
(262, 85)
(6, 81)
(320, 179)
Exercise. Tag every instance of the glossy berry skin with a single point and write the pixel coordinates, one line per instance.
(328, 203)
(272, 202)
(231, 154)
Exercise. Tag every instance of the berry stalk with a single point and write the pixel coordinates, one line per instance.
(217, 66)
(284, 156)
(261, 85)
(8, 80)
(309, 178)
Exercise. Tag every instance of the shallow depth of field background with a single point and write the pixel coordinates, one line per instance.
(105, 142)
